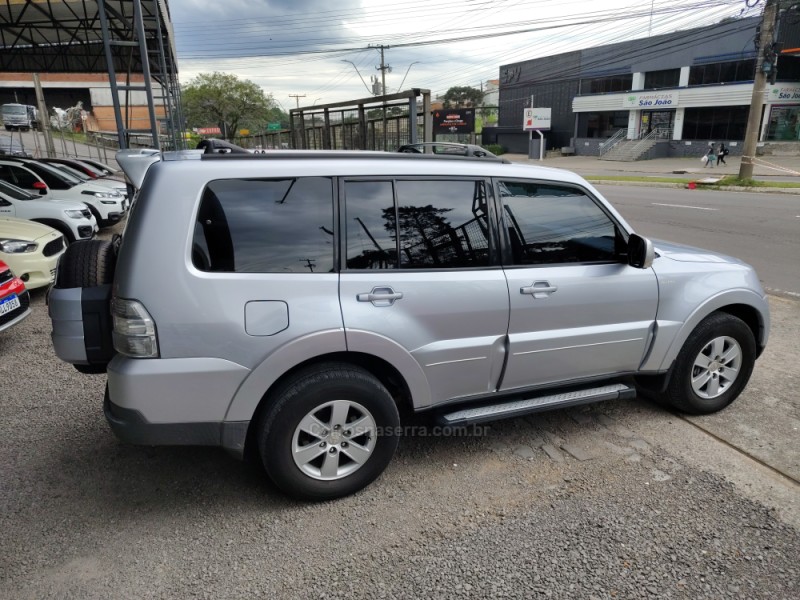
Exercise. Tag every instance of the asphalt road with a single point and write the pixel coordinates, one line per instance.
(759, 228)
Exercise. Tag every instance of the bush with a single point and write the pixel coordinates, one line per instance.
(495, 149)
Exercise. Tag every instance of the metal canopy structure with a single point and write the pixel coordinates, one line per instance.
(117, 37)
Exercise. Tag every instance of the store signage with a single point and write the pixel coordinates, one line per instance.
(537, 119)
(457, 120)
(650, 100)
(786, 92)
(208, 130)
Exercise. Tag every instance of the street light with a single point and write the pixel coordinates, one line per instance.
(400, 87)
(315, 101)
(359, 74)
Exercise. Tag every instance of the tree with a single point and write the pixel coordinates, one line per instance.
(463, 97)
(228, 102)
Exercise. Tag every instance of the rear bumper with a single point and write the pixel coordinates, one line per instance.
(130, 426)
(177, 401)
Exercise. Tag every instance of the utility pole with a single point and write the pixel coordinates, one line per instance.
(759, 85)
(297, 98)
(383, 68)
(44, 117)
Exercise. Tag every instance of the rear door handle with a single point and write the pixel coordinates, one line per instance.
(380, 296)
(539, 289)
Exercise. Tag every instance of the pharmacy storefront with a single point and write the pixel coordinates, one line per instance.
(783, 123)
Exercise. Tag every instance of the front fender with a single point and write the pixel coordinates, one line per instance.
(671, 334)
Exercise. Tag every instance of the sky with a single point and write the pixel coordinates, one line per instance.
(301, 47)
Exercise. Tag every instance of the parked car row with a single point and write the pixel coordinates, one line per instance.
(45, 205)
(106, 199)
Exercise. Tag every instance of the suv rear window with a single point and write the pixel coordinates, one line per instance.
(265, 226)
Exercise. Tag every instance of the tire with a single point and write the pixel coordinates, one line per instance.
(335, 394)
(719, 354)
(87, 264)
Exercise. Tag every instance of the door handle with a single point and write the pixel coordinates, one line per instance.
(539, 289)
(380, 296)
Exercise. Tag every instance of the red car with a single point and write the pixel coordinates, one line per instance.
(14, 298)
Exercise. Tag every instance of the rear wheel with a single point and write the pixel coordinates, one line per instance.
(713, 366)
(328, 432)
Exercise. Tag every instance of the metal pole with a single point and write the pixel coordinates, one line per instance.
(148, 84)
(112, 74)
(757, 101)
(383, 93)
(44, 117)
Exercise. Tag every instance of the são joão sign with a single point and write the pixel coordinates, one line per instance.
(651, 100)
(458, 120)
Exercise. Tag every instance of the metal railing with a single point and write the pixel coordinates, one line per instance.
(615, 139)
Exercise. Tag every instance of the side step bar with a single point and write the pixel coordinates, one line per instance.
(515, 408)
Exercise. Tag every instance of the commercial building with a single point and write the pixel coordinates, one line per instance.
(682, 91)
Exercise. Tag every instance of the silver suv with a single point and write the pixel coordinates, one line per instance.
(287, 304)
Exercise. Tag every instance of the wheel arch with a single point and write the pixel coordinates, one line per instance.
(389, 376)
(59, 226)
(745, 304)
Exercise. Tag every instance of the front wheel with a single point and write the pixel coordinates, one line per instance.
(713, 366)
(328, 432)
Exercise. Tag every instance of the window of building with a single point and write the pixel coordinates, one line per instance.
(667, 78)
(601, 124)
(605, 85)
(725, 72)
(549, 224)
(789, 68)
(435, 225)
(784, 124)
(715, 123)
(265, 226)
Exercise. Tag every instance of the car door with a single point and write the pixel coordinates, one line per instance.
(578, 310)
(6, 208)
(420, 279)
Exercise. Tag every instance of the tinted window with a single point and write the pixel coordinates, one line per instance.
(549, 224)
(18, 176)
(442, 224)
(265, 226)
(371, 239)
(53, 179)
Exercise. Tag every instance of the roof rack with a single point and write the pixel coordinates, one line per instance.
(220, 149)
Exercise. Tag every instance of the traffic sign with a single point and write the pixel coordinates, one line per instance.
(273, 126)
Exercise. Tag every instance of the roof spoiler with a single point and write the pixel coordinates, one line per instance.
(134, 163)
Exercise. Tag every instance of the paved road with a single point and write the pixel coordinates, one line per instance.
(761, 229)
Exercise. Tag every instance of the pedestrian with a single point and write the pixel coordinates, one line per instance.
(721, 154)
(710, 157)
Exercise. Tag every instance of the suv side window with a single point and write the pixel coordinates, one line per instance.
(550, 224)
(19, 177)
(434, 224)
(265, 226)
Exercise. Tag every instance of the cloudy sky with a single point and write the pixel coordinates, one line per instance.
(300, 46)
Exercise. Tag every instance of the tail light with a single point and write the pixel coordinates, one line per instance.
(134, 331)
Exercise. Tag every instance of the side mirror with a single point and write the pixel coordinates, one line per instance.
(640, 252)
(38, 185)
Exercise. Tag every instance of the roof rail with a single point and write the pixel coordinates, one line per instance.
(215, 146)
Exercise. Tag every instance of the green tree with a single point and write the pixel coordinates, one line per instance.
(229, 103)
(463, 97)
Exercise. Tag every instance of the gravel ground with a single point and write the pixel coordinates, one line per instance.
(581, 503)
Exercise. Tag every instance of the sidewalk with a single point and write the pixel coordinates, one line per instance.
(667, 167)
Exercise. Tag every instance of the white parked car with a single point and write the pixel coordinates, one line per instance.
(73, 219)
(107, 206)
(111, 184)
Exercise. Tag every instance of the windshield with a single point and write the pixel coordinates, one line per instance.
(70, 171)
(14, 192)
(14, 109)
(63, 174)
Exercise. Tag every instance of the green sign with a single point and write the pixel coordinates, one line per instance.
(273, 126)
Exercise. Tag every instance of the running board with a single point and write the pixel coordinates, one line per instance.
(515, 408)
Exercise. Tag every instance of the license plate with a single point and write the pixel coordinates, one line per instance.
(9, 304)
